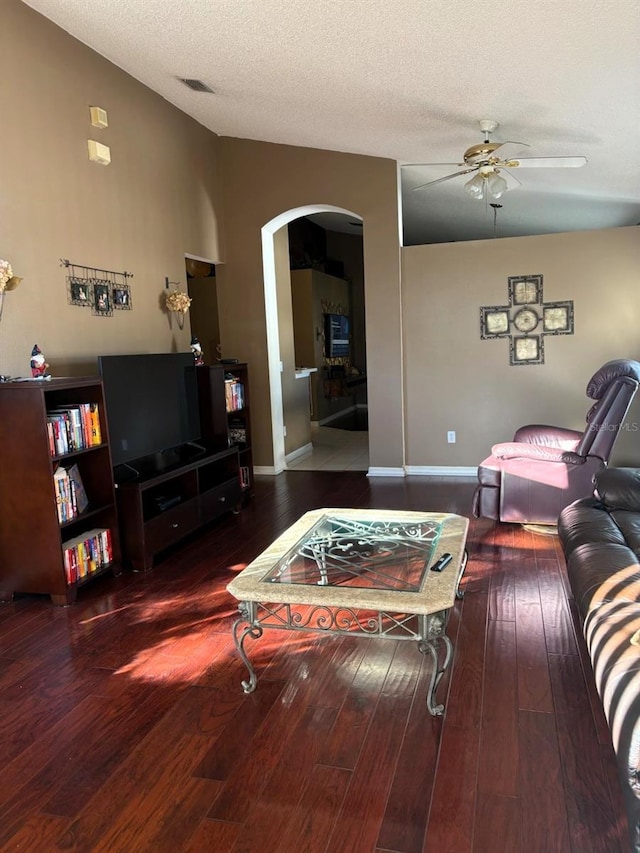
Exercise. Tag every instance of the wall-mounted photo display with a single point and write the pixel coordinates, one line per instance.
(100, 290)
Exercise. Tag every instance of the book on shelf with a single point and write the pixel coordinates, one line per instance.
(79, 494)
(65, 505)
(71, 428)
(96, 433)
(234, 393)
(87, 553)
(245, 477)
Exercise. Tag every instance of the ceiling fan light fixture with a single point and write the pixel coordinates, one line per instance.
(496, 185)
(476, 186)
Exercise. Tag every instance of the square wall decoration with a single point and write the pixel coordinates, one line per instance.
(525, 314)
(557, 318)
(526, 349)
(525, 290)
(494, 322)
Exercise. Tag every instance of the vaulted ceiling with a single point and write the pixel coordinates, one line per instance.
(406, 80)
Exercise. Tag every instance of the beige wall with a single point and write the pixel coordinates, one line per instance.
(455, 381)
(262, 181)
(157, 200)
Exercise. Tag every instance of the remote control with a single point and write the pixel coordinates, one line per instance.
(439, 565)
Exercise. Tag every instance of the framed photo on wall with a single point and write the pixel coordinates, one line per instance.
(79, 292)
(102, 299)
(122, 297)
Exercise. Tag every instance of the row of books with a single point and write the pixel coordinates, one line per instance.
(87, 553)
(234, 394)
(71, 498)
(71, 428)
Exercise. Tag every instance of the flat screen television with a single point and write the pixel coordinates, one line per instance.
(336, 335)
(151, 402)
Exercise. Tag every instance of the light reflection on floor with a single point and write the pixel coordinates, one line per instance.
(335, 450)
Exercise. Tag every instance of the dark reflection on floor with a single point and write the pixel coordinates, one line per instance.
(356, 420)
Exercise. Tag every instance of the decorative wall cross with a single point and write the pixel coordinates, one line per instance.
(525, 315)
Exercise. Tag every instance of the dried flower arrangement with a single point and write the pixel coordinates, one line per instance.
(177, 301)
(8, 281)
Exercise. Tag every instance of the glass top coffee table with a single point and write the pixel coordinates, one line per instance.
(361, 572)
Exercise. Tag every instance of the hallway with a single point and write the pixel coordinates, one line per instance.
(334, 450)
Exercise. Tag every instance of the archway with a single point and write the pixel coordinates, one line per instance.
(271, 315)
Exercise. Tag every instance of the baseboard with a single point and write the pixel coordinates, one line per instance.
(409, 470)
(267, 470)
(296, 454)
(440, 471)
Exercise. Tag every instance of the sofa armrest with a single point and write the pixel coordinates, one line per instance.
(521, 450)
(618, 488)
(549, 436)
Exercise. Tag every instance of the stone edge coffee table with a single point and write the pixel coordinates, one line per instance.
(372, 606)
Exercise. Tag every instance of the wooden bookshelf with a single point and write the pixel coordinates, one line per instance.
(31, 532)
(225, 414)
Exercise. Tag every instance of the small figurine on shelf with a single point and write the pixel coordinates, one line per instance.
(196, 349)
(38, 364)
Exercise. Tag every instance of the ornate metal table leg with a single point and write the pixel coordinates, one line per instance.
(463, 566)
(437, 672)
(247, 614)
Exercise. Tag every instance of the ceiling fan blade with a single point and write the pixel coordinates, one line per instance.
(547, 162)
(512, 182)
(508, 150)
(446, 178)
(421, 165)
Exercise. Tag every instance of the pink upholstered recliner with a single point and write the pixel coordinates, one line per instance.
(545, 468)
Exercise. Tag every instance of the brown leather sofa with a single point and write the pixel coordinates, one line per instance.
(545, 468)
(600, 538)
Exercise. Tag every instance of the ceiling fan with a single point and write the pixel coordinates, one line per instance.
(494, 162)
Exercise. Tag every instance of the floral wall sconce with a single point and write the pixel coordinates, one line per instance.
(176, 302)
(8, 281)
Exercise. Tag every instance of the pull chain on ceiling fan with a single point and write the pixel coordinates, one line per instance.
(493, 163)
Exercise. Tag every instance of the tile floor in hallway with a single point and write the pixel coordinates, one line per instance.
(334, 450)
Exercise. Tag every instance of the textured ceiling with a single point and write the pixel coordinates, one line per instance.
(406, 80)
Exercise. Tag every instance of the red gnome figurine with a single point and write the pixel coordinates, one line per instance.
(38, 364)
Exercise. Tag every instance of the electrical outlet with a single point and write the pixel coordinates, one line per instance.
(451, 437)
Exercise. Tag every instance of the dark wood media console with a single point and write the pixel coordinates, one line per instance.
(157, 510)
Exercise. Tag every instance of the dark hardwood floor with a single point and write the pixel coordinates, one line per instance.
(123, 726)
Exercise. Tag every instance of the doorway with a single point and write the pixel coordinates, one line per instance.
(326, 262)
(204, 314)
(275, 364)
